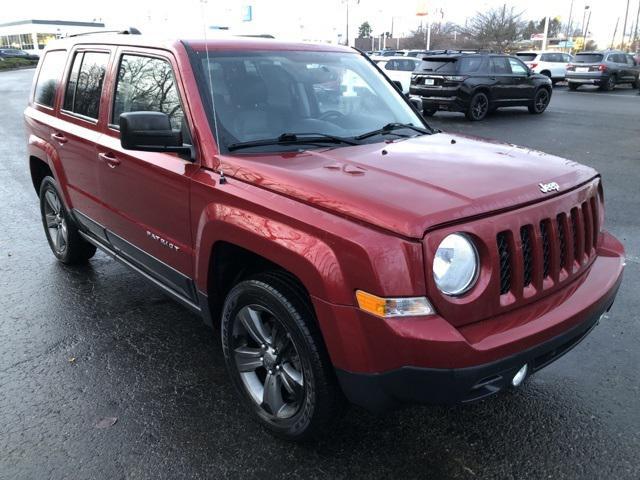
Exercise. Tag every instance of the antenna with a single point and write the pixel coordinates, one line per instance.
(213, 102)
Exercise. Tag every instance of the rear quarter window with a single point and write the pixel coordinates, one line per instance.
(49, 77)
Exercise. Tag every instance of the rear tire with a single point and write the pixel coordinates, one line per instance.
(65, 241)
(280, 367)
(540, 101)
(609, 85)
(573, 86)
(478, 107)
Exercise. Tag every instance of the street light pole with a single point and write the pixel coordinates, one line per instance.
(624, 28)
(635, 33)
(569, 32)
(546, 32)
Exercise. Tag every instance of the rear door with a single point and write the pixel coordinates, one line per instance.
(148, 192)
(78, 131)
(500, 74)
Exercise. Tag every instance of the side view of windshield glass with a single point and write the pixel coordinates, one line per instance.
(259, 96)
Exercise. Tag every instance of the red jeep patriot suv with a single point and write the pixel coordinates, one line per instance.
(290, 192)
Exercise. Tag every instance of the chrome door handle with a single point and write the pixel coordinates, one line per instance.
(109, 159)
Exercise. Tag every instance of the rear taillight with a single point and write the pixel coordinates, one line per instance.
(602, 67)
(571, 68)
(533, 65)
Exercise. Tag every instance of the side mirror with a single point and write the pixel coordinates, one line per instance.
(150, 132)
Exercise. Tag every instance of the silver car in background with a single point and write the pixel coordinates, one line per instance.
(605, 69)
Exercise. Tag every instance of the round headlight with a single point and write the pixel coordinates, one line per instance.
(455, 266)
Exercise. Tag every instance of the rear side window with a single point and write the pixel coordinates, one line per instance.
(500, 65)
(587, 58)
(84, 87)
(470, 65)
(49, 77)
(147, 84)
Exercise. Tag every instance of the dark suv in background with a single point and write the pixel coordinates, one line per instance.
(478, 83)
(604, 69)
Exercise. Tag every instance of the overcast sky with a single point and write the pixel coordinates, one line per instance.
(310, 19)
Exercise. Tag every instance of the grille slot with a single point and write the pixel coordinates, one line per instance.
(546, 248)
(574, 233)
(527, 254)
(562, 240)
(505, 262)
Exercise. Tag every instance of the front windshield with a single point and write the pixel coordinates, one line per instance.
(261, 95)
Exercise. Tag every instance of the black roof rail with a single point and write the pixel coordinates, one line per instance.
(126, 31)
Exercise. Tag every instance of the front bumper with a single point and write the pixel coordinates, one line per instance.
(382, 363)
(412, 385)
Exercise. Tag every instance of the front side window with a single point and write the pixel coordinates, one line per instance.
(84, 86)
(49, 77)
(263, 94)
(147, 84)
(517, 67)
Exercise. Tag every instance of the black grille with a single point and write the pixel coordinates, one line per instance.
(562, 240)
(505, 262)
(527, 257)
(546, 248)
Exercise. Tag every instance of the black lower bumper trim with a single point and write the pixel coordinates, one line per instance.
(410, 385)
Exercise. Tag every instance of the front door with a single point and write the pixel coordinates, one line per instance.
(147, 193)
(522, 86)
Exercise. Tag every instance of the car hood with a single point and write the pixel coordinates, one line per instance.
(411, 185)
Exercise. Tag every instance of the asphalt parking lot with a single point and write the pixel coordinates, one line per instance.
(81, 348)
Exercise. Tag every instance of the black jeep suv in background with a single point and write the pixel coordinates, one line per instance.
(478, 83)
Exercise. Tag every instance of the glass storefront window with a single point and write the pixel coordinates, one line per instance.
(44, 38)
(26, 41)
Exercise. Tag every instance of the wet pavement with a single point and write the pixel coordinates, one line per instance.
(81, 348)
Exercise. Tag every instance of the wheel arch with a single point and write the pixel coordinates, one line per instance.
(39, 169)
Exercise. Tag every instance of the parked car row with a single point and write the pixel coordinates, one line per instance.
(15, 53)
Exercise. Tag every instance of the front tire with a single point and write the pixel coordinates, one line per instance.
(540, 101)
(275, 356)
(478, 107)
(62, 233)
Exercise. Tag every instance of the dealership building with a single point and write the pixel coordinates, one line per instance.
(33, 35)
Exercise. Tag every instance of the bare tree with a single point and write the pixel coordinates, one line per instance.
(496, 28)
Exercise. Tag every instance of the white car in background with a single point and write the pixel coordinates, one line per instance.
(549, 63)
(398, 69)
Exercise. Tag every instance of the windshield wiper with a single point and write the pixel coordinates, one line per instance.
(293, 139)
(390, 127)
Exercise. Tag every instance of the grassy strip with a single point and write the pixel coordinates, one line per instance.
(11, 63)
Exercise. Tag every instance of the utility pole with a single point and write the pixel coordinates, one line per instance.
(613, 39)
(347, 38)
(586, 31)
(624, 28)
(635, 32)
(546, 32)
(569, 32)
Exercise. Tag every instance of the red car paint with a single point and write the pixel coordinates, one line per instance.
(364, 217)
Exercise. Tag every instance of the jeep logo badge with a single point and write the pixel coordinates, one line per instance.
(549, 187)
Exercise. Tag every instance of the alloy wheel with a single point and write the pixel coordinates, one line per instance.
(480, 107)
(542, 100)
(268, 362)
(56, 223)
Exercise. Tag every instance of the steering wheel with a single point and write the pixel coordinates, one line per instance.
(331, 114)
